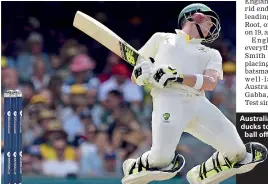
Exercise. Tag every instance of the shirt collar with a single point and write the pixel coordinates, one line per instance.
(187, 37)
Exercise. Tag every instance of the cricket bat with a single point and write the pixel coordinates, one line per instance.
(106, 37)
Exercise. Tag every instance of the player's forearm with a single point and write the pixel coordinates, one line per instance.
(209, 83)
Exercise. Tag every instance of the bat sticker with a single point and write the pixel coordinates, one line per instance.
(128, 54)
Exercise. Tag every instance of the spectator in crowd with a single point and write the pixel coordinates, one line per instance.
(37, 103)
(28, 168)
(146, 142)
(82, 67)
(92, 156)
(49, 98)
(10, 79)
(70, 115)
(58, 164)
(58, 67)
(26, 60)
(7, 62)
(28, 92)
(112, 164)
(86, 118)
(87, 138)
(121, 81)
(40, 77)
(86, 147)
(56, 145)
(112, 106)
(94, 107)
(125, 123)
(68, 51)
(128, 119)
(33, 160)
(89, 129)
(31, 129)
(43, 120)
(112, 60)
(55, 86)
(130, 144)
(226, 49)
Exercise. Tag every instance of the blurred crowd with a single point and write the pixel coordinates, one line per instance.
(79, 122)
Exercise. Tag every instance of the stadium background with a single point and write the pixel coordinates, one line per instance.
(82, 116)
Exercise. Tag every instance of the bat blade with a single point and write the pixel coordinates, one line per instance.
(106, 37)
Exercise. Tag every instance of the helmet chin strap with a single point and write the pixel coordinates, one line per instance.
(199, 31)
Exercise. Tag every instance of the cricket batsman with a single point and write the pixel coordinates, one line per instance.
(182, 70)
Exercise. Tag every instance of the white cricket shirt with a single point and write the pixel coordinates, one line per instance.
(187, 56)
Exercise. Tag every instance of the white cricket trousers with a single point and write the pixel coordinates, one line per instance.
(176, 112)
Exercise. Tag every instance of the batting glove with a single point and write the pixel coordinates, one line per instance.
(162, 75)
(142, 72)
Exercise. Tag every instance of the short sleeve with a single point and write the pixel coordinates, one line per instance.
(151, 46)
(215, 62)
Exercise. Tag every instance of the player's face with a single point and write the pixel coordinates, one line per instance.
(206, 25)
